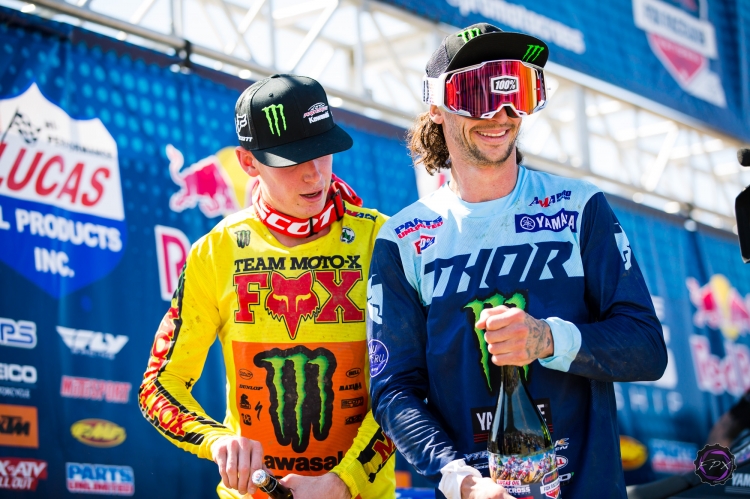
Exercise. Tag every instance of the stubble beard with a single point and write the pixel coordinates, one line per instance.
(478, 158)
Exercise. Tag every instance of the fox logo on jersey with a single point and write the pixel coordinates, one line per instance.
(292, 300)
(300, 382)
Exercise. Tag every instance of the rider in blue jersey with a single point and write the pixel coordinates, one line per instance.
(557, 284)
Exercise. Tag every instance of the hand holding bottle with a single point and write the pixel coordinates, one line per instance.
(514, 338)
(237, 459)
(327, 486)
(482, 488)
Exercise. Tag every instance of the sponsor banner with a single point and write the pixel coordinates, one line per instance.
(19, 426)
(672, 457)
(98, 433)
(61, 198)
(92, 343)
(172, 247)
(19, 334)
(103, 479)
(95, 389)
(21, 473)
(18, 373)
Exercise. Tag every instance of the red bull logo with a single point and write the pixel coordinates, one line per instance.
(720, 306)
(214, 184)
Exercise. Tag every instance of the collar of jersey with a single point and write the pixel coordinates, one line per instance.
(336, 228)
(484, 209)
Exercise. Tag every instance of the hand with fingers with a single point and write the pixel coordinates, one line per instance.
(482, 488)
(328, 486)
(514, 338)
(237, 459)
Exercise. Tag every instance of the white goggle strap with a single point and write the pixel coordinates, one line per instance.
(433, 90)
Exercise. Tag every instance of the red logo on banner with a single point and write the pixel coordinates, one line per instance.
(685, 63)
(172, 247)
(21, 473)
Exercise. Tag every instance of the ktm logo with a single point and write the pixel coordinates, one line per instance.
(292, 300)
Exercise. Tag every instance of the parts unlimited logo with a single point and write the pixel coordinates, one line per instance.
(714, 464)
(301, 384)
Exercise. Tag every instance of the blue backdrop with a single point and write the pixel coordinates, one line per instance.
(690, 55)
(88, 253)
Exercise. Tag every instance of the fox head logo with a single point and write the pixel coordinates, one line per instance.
(292, 300)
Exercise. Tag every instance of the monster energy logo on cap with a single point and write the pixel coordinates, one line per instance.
(476, 307)
(532, 53)
(468, 34)
(301, 384)
(272, 110)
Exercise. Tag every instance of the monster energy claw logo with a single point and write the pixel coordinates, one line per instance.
(243, 238)
(476, 307)
(271, 110)
(532, 53)
(301, 386)
(468, 34)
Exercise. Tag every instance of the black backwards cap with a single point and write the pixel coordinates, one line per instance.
(484, 42)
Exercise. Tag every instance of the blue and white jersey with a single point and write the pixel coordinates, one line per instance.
(553, 247)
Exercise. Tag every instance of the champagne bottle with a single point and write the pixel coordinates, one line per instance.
(268, 484)
(521, 453)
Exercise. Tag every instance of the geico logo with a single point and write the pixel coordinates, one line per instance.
(17, 373)
(21, 334)
(98, 433)
(92, 343)
(303, 463)
(62, 229)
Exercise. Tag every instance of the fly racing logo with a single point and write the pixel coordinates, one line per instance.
(532, 52)
(476, 307)
(300, 382)
(92, 343)
(275, 110)
(243, 238)
(504, 85)
(469, 34)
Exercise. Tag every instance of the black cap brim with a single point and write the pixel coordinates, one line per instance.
(498, 46)
(330, 142)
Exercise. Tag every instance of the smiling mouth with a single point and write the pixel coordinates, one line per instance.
(488, 134)
(311, 195)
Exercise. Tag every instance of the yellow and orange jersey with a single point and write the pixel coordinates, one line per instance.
(291, 322)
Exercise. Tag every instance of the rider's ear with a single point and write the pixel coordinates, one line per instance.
(246, 161)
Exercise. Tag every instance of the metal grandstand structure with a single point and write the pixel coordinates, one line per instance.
(370, 57)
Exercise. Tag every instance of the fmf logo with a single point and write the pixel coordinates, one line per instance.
(60, 185)
(21, 334)
(504, 85)
(424, 242)
(407, 228)
(104, 479)
(98, 433)
(720, 306)
(172, 247)
(18, 426)
(92, 343)
(21, 473)
(95, 389)
(206, 184)
(555, 198)
(312, 372)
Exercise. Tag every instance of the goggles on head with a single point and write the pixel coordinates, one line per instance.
(481, 91)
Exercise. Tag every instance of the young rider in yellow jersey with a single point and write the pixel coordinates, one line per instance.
(283, 284)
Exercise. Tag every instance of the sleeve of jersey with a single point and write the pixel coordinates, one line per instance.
(397, 335)
(365, 459)
(622, 340)
(176, 361)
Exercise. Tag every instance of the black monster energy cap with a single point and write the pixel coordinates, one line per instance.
(484, 42)
(285, 120)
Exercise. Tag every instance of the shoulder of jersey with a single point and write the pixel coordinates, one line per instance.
(428, 211)
(543, 189)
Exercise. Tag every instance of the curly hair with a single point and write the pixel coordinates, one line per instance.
(427, 145)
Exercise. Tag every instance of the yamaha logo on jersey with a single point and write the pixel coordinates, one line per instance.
(504, 85)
